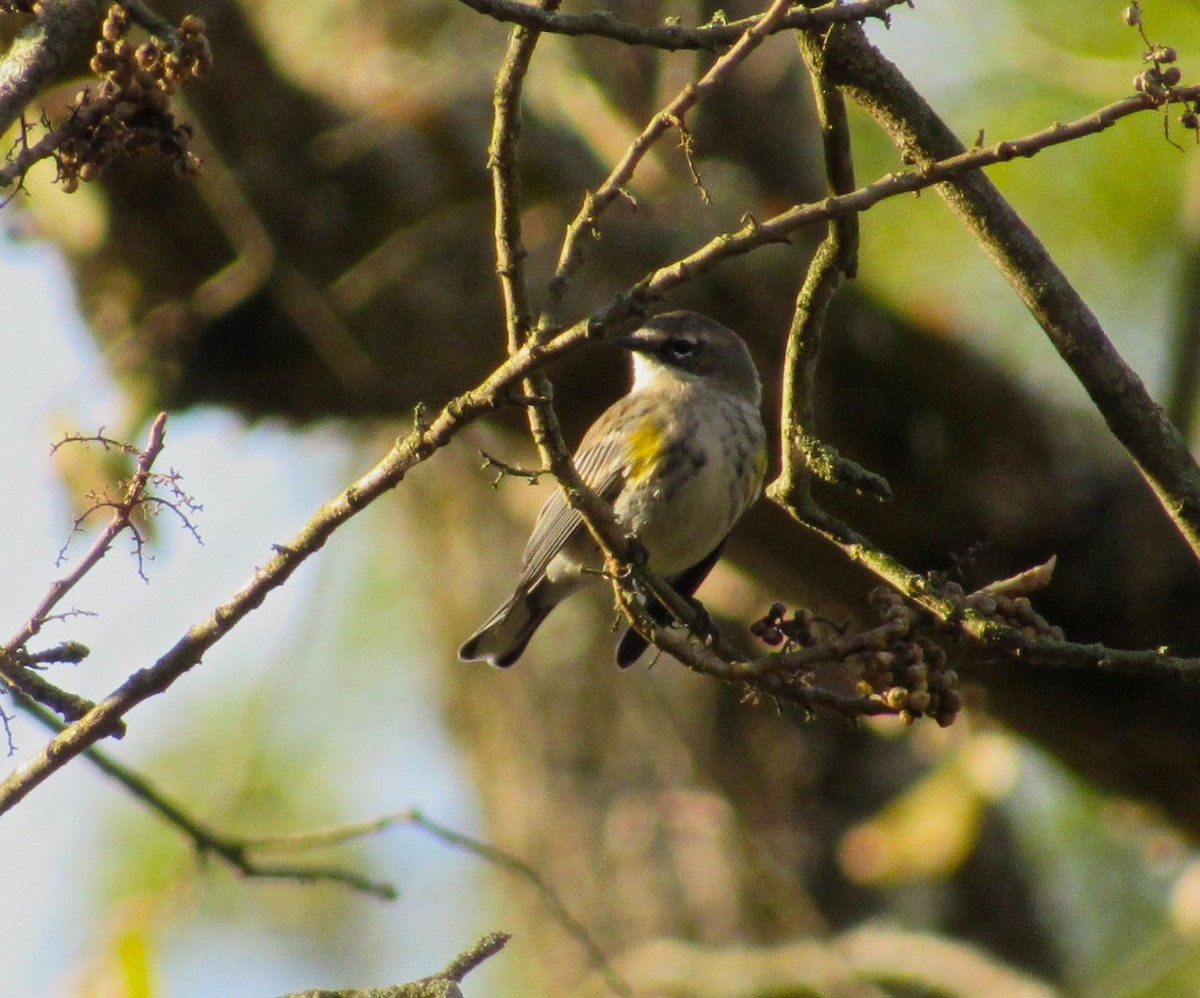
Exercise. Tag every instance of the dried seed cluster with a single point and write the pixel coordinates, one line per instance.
(910, 674)
(1159, 78)
(1015, 611)
(775, 628)
(1162, 75)
(905, 669)
(130, 111)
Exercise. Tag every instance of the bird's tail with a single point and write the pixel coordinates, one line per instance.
(503, 638)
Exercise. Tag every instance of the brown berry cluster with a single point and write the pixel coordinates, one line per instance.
(130, 111)
(1161, 76)
(910, 674)
(775, 628)
(1016, 611)
(1157, 81)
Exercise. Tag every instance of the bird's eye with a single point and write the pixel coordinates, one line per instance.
(680, 348)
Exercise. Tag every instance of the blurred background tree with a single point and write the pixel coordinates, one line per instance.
(332, 265)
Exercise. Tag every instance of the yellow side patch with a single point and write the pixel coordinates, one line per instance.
(645, 450)
(760, 466)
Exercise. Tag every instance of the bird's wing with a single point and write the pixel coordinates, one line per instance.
(602, 461)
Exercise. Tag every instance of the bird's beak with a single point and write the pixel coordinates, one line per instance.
(641, 340)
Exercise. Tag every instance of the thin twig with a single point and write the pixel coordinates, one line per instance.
(206, 841)
(521, 869)
(586, 220)
(13, 657)
(544, 425)
(836, 256)
(135, 493)
(41, 50)
(1134, 418)
(673, 37)
(320, 838)
(505, 470)
(506, 190)
(777, 228)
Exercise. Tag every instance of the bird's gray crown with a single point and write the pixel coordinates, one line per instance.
(695, 345)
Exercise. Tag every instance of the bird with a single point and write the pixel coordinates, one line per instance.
(680, 457)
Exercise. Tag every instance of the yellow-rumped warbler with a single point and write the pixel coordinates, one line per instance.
(681, 458)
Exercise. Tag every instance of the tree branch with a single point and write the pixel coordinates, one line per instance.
(207, 841)
(587, 219)
(14, 659)
(443, 984)
(777, 228)
(494, 393)
(1134, 418)
(673, 37)
(407, 453)
(40, 50)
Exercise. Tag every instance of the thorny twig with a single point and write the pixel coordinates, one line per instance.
(14, 659)
(504, 470)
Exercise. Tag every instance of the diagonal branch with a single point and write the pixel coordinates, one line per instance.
(1134, 418)
(586, 221)
(39, 52)
(958, 164)
(409, 451)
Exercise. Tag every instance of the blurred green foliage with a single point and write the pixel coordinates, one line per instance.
(1113, 209)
